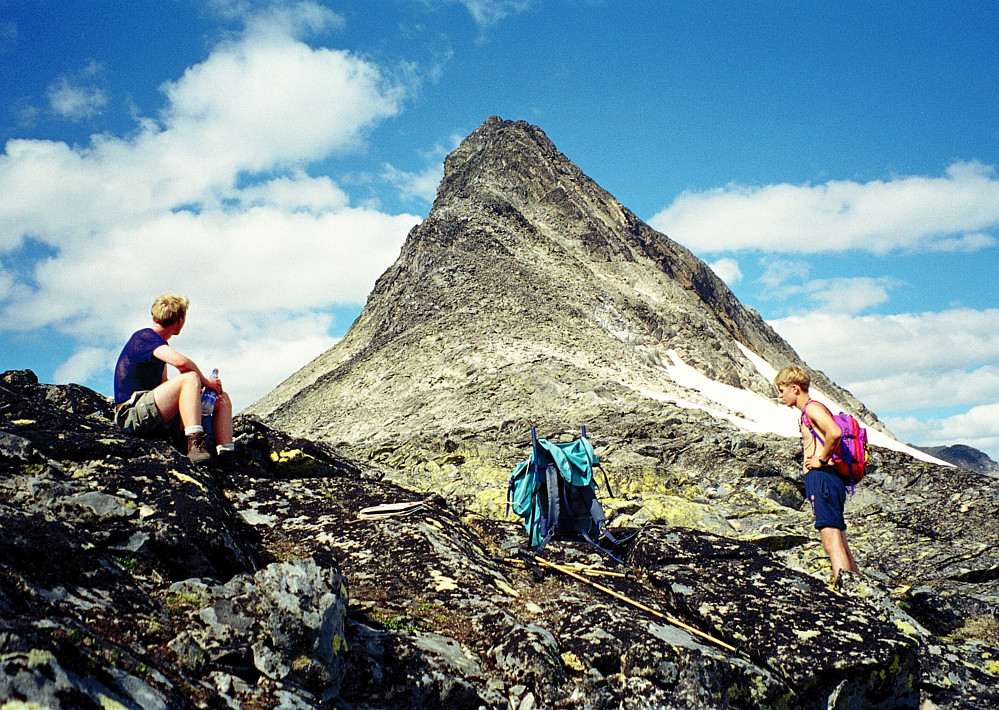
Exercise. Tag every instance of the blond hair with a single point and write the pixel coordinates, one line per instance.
(793, 375)
(169, 308)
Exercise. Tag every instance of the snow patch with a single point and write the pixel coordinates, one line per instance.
(753, 412)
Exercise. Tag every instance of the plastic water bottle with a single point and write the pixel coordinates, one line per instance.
(208, 398)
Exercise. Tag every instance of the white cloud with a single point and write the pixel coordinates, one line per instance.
(966, 243)
(85, 363)
(487, 12)
(277, 17)
(422, 185)
(296, 192)
(947, 213)
(249, 108)
(926, 343)
(269, 102)
(901, 391)
(897, 364)
(254, 356)
(978, 427)
(903, 362)
(210, 199)
(727, 270)
(840, 295)
(75, 102)
(76, 98)
(240, 262)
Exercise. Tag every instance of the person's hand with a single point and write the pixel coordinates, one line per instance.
(811, 462)
(214, 383)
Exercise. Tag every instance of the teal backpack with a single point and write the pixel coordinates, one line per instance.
(554, 492)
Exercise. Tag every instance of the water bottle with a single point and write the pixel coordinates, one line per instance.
(208, 398)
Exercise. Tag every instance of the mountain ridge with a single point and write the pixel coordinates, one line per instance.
(516, 232)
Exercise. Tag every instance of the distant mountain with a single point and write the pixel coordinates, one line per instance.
(965, 457)
(530, 295)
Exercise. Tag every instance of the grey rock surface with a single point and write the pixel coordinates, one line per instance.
(139, 580)
(528, 295)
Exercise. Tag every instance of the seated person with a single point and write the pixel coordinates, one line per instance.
(147, 403)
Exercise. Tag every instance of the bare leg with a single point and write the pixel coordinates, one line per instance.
(222, 420)
(180, 394)
(835, 545)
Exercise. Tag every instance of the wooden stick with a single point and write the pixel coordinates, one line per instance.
(592, 571)
(667, 617)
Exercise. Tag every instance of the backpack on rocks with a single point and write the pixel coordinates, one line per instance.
(554, 492)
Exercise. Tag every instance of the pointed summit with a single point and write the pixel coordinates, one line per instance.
(530, 295)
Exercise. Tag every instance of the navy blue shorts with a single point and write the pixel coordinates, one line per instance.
(826, 491)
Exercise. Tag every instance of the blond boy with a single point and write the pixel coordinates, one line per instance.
(148, 403)
(824, 487)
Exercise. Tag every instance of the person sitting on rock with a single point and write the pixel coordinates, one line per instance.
(147, 403)
(824, 487)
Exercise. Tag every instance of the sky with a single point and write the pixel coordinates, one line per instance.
(835, 163)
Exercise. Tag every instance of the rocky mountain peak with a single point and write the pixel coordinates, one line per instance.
(528, 294)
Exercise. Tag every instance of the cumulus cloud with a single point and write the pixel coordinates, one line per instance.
(944, 362)
(950, 212)
(75, 103)
(727, 270)
(421, 185)
(85, 363)
(925, 343)
(486, 12)
(210, 198)
(978, 427)
(846, 295)
(965, 243)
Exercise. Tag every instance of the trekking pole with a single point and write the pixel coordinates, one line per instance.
(666, 617)
(591, 571)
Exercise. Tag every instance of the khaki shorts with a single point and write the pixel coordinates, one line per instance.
(140, 416)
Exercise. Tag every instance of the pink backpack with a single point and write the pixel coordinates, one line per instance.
(851, 459)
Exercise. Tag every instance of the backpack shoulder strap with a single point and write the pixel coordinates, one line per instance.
(807, 421)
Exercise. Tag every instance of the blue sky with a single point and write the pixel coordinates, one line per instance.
(835, 163)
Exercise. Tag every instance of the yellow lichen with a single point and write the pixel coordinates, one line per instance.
(571, 660)
(111, 704)
(443, 584)
(294, 461)
(504, 587)
(184, 478)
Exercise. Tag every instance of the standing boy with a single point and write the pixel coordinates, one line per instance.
(824, 488)
(149, 404)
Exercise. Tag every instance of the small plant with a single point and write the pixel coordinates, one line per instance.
(399, 622)
(127, 562)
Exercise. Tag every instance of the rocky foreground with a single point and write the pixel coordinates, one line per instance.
(130, 578)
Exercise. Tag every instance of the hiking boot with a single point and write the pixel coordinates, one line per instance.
(225, 461)
(847, 582)
(196, 450)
